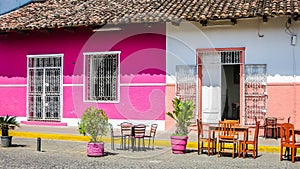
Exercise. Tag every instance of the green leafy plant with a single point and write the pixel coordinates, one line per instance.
(182, 114)
(81, 129)
(94, 123)
(8, 122)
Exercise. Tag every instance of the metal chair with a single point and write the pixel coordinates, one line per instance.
(126, 132)
(151, 135)
(113, 137)
(138, 135)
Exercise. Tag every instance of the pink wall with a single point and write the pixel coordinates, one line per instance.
(143, 62)
(13, 101)
(169, 122)
(284, 102)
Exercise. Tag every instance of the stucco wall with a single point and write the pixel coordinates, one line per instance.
(265, 43)
(273, 49)
(142, 69)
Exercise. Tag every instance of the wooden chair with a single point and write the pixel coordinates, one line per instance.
(244, 145)
(270, 127)
(205, 137)
(288, 140)
(237, 122)
(114, 136)
(227, 135)
(151, 135)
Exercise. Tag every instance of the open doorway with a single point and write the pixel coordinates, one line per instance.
(231, 92)
(220, 84)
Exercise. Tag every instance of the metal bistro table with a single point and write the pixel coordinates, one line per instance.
(136, 132)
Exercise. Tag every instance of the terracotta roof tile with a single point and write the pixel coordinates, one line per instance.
(68, 13)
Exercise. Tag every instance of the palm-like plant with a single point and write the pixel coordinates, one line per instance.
(182, 114)
(8, 122)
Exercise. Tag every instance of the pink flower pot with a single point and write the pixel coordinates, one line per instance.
(95, 149)
(178, 144)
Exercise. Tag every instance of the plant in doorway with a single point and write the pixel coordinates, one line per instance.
(94, 123)
(6, 123)
(182, 114)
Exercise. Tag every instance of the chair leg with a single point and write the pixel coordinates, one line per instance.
(152, 143)
(144, 148)
(215, 147)
(198, 147)
(219, 149)
(244, 150)
(112, 143)
(149, 143)
(281, 148)
(293, 155)
(208, 148)
(239, 151)
(233, 149)
(254, 151)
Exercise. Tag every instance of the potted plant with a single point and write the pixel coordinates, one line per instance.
(182, 114)
(6, 123)
(94, 123)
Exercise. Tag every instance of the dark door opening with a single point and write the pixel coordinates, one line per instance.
(231, 85)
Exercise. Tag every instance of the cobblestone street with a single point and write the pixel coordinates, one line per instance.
(72, 154)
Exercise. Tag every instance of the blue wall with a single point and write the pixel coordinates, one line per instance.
(10, 5)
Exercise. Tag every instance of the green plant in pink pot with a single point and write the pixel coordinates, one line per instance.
(94, 123)
(182, 114)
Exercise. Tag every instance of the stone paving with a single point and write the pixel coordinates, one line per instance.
(72, 154)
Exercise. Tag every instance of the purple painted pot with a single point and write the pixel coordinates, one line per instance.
(95, 149)
(178, 144)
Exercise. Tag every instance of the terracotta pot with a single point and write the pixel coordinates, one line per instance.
(95, 149)
(179, 144)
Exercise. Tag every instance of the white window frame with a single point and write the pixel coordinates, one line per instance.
(85, 81)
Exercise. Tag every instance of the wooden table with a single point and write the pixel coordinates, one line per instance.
(239, 129)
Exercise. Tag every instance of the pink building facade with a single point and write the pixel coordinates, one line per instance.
(141, 79)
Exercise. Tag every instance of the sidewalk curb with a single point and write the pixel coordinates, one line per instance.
(69, 137)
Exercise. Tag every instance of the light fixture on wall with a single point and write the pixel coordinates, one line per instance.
(219, 23)
(203, 22)
(105, 28)
(265, 18)
(289, 31)
(293, 40)
(233, 21)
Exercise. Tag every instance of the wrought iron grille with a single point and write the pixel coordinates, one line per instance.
(255, 93)
(227, 57)
(44, 87)
(230, 57)
(102, 76)
(186, 82)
